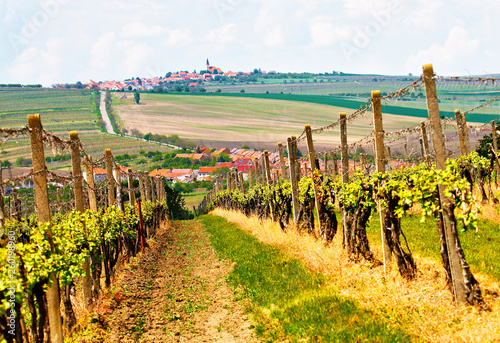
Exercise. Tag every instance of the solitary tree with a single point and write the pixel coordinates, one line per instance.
(137, 97)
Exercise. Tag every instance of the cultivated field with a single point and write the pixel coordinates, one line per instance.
(234, 121)
(61, 111)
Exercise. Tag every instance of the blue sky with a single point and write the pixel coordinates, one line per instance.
(51, 41)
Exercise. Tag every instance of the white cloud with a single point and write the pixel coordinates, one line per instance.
(179, 37)
(428, 15)
(450, 57)
(223, 35)
(138, 30)
(35, 65)
(326, 33)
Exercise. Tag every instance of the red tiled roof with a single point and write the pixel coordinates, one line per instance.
(159, 172)
(206, 169)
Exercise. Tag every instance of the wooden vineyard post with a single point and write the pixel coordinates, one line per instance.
(110, 178)
(344, 166)
(77, 171)
(158, 189)
(425, 141)
(452, 241)
(43, 214)
(153, 183)
(292, 153)
(282, 161)
(131, 193)
(334, 162)
(79, 206)
(465, 132)
(325, 159)
(495, 148)
(229, 181)
(140, 176)
(89, 177)
(406, 151)
(460, 131)
(312, 161)
(257, 172)
(250, 177)
(267, 175)
(242, 182)
(344, 154)
(148, 198)
(363, 163)
(119, 193)
(147, 187)
(380, 167)
(141, 225)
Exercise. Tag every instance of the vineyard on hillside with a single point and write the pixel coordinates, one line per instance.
(62, 111)
(440, 178)
(66, 232)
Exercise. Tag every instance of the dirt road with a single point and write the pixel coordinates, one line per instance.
(176, 292)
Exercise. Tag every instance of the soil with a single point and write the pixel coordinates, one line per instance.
(175, 292)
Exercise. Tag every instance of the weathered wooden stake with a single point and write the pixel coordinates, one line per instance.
(250, 176)
(79, 206)
(119, 193)
(460, 130)
(292, 152)
(344, 152)
(312, 161)
(110, 178)
(142, 189)
(147, 187)
(465, 133)
(153, 186)
(131, 193)
(439, 148)
(89, 177)
(425, 141)
(334, 163)
(141, 226)
(242, 182)
(380, 167)
(43, 214)
(257, 171)
(282, 161)
(267, 174)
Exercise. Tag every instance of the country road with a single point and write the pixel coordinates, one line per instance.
(110, 130)
(105, 117)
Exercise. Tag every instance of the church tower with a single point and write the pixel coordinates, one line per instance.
(208, 64)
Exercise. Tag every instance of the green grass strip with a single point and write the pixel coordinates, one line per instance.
(288, 300)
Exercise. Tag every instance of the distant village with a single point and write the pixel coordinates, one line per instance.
(192, 80)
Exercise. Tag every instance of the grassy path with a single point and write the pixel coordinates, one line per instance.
(288, 301)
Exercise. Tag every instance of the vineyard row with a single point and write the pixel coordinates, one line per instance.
(310, 197)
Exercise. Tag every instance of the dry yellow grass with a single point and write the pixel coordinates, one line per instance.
(423, 308)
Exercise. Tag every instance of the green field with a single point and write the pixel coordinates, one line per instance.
(194, 199)
(62, 111)
(233, 120)
(417, 108)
